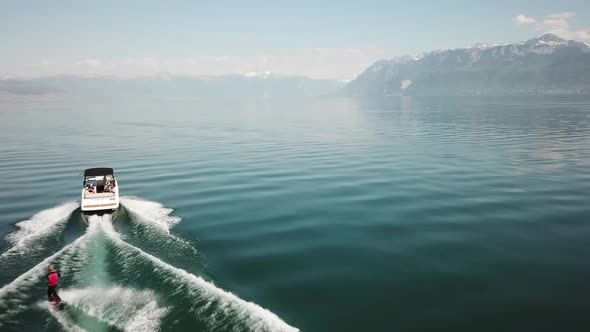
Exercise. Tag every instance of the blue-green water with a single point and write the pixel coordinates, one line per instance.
(328, 214)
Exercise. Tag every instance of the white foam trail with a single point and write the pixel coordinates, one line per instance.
(13, 304)
(145, 319)
(74, 262)
(155, 216)
(258, 318)
(40, 225)
(66, 322)
(124, 308)
(30, 277)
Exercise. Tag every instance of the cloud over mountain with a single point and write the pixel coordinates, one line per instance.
(522, 19)
(556, 23)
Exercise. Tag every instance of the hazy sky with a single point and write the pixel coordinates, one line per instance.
(322, 39)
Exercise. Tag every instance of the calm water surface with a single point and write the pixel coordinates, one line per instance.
(329, 214)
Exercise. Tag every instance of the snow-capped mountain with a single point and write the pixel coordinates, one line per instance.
(485, 46)
(265, 74)
(543, 64)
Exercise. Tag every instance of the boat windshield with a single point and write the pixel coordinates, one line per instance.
(90, 180)
(97, 179)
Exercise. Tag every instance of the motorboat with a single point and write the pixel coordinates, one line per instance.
(100, 191)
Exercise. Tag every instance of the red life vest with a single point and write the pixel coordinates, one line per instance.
(53, 276)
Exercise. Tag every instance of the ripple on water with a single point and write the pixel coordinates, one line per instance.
(404, 214)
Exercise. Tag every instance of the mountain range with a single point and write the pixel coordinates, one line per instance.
(544, 65)
(249, 85)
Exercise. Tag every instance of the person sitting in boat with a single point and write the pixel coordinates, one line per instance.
(53, 281)
(108, 187)
(91, 188)
(111, 185)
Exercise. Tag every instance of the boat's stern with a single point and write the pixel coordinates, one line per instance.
(91, 202)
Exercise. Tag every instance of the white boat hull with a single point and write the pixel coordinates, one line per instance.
(99, 202)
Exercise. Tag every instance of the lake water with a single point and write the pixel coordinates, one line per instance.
(326, 214)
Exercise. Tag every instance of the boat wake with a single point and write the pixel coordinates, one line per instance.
(40, 227)
(119, 280)
(126, 309)
(154, 221)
